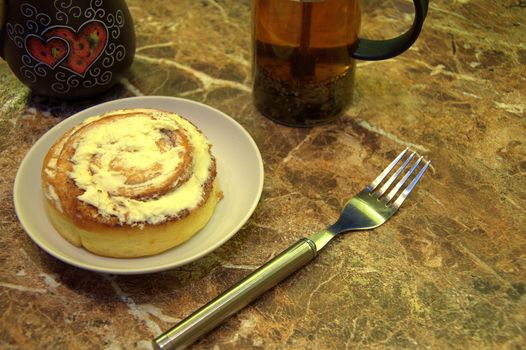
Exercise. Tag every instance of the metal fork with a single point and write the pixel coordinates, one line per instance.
(370, 208)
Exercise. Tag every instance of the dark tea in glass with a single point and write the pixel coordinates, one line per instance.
(303, 68)
(303, 56)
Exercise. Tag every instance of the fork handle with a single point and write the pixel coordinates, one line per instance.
(238, 296)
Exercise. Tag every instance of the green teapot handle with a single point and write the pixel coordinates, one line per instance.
(374, 50)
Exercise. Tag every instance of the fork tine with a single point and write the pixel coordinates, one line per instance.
(400, 183)
(393, 177)
(386, 171)
(409, 188)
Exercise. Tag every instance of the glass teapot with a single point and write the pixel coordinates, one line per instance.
(303, 56)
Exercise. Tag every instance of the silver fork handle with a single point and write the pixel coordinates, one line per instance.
(238, 296)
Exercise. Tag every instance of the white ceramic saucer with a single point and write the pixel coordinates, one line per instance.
(240, 172)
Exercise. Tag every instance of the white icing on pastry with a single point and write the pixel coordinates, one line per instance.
(110, 155)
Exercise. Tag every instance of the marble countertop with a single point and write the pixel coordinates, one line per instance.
(448, 271)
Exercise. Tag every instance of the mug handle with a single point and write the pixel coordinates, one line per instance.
(375, 50)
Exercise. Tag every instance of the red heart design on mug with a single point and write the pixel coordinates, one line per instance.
(50, 52)
(86, 46)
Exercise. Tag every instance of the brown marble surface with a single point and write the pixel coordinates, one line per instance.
(448, 271)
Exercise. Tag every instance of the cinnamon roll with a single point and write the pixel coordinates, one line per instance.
(130, 183)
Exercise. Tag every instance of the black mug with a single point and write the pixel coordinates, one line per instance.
(67, 48)
(303, 56)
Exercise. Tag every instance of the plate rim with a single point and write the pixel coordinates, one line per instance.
(54, 252)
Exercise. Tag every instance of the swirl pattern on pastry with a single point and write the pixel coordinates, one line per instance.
(129, 168)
